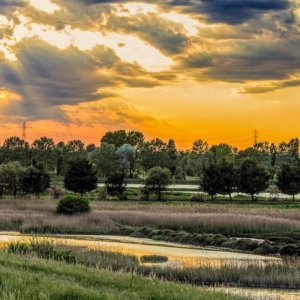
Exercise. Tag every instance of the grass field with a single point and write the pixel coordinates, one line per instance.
(34, 279)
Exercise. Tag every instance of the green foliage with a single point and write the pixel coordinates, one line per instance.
(70, 205)
(115, 185)
(289, 179)
(157, 180)
(43, 151)
(121, 137)
(11, 175)
(35, 179)
(80, 176)
(252, 177)
(154, 259)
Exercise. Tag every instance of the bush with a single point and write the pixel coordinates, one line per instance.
(154, 259)
(102, 195)
(56, 191)
(197, 198)
(71, 205)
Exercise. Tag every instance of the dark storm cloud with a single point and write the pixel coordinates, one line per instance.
(229, 11)
(46, 78)
(248, 61)
(224, 11)
(8, 6)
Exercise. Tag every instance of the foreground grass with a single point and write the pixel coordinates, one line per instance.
(33, 279)
(284, 275)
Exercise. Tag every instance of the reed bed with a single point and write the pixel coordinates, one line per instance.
(28, 214)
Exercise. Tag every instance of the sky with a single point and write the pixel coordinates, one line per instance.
(184, 69)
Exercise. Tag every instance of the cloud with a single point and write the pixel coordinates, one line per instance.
(9, 6)
(265, 88)
(46, 78)
(237, 11)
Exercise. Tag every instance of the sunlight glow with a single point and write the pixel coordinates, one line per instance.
(191, 25)
(129, 48)
(127, 9)
(44, 5)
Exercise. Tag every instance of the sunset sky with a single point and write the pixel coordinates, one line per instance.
(182, 69)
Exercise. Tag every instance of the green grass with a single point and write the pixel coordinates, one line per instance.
(272, 275)
(34, 279)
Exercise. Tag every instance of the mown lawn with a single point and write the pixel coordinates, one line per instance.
(31, 279)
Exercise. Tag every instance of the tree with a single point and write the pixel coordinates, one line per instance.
(228, 179)
(252, 177)
(289, 179)
(35, 179)
(172, 153)
(154, 154)
(126, 155)
(116, 138)
(115, 185)
(43, 151)
(80, 176)
(15, 149)
(11, 175)
(106, 160)
(200, 147)
(210, 182)
(121, 137)
(157, 180)
(90, 148)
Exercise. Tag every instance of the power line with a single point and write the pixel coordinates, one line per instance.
(255, 137)
(24, 130)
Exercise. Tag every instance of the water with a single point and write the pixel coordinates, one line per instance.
(178, 255)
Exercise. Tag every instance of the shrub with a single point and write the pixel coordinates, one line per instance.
(56, 191)
(197, 198)
(154, 259)
(71, 205)
(102, 195)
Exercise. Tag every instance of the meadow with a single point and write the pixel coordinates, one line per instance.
(32, 278)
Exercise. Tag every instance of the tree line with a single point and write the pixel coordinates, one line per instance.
(220, 169)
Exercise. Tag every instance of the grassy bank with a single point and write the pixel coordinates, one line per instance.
(34, 279)
(285, 276)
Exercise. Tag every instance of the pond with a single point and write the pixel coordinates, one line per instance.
(179, 256)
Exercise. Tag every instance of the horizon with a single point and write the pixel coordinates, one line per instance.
(211, 70)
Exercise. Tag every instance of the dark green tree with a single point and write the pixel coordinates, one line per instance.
(80, 176)
(90, 148)
(253, 178)
(15, 149)
(289, 179)
(11, 175)
(43, 151)
(115, 185)
(210, 181)
(228, 179)
(35, 179)
(157, 180)
(172, 153)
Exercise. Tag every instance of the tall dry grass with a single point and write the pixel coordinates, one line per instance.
(105, 216)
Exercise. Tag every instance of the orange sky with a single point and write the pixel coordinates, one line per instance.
(216, 71)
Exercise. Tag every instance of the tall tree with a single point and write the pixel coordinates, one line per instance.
(11, 175)
(157, 180)
(210, 181)
(35, 179)
(43, 151)
(252, 177)
(172, 153)
(126, 155)
(80, 176)
(15, 149)
(289, 179)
